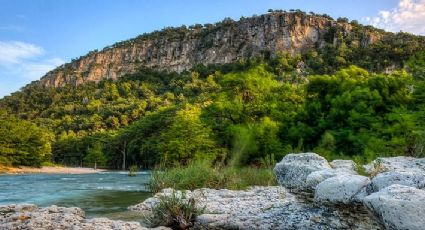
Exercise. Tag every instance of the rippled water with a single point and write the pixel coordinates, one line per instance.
(102, 194)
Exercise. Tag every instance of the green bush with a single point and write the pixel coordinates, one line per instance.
(132, 171)
(176, 211)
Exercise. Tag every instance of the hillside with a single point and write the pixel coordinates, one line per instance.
(178, 49)
(232, 93)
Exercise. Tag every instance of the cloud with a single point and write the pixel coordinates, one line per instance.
(22, 61)
(408, 16)
(16, 52)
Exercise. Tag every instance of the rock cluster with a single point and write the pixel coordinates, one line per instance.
(265, 208)
(395, 194)
(334, 196)
(29, 216)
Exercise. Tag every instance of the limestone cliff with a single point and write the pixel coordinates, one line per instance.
(178, 49)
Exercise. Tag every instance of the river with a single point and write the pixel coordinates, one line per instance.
(106, 194)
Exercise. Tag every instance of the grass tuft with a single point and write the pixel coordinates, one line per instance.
(203, 175)
(175, 211)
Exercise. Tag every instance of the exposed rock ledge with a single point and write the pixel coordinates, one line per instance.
(267, 208)
(317, 194)
(56, 218)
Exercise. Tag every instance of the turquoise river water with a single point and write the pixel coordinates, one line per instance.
(106, 194)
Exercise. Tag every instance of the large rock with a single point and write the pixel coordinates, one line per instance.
(385, 164)
(270, 208)
(409, 178)
(316, 177)
(293, 170)
(398, 207)
(340, 189)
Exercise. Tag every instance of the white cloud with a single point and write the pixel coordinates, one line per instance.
(16, 52)
(22, 61)
(408, 16)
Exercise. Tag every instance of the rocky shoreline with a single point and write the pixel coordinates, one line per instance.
(29, 216)
(313, 194)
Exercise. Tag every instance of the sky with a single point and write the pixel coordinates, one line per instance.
(38, 35)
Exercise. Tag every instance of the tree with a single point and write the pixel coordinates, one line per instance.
(347, 112)
(95, 155)
(23, 143)
(187, 138)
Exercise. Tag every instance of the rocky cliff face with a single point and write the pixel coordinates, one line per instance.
(179, 49)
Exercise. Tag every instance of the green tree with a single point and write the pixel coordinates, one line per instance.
(187, 138)
(23, 143)
(95, 155)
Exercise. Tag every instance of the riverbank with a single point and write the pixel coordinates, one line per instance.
(48, 170)
(312, 194)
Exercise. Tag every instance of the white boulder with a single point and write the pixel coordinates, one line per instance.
(340, 189)
(315, 178)
(398, 207)
(385, 164)
(412, 178)
(293, 170)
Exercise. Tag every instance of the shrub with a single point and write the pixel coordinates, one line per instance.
(203, 175)
(132, 171)
(175, 211)
(193, 176)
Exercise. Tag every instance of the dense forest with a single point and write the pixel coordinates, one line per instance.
(341, 101)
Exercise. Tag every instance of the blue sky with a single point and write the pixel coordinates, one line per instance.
(37, 35)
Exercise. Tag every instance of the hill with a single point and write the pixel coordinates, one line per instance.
(179, 49)
(239, 93)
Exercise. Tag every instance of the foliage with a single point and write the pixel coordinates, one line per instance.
(132, 171)
(175, 210)
(348, 98)
(356, 113)
(203, 175)
(23, 143)
(187, 138)
(95, 155)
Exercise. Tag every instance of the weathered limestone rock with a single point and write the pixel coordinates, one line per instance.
(56, 218)
(348, 165)
(340, 189)
(398, 207)
(270, 208)
(385, 164)
(412, 178)
(293, 170)
(315, 178)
